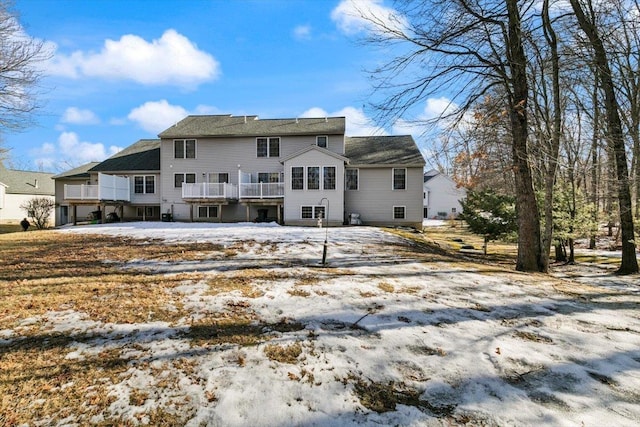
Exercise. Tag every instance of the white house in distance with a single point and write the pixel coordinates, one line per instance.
(224, 168)
(441, 196)
(18, 187)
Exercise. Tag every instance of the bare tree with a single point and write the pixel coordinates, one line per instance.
(19, 72)
(466, 48)
(39, 209)
(587, 20)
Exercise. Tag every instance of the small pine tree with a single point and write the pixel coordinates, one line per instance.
(39, 209)
(489, 214)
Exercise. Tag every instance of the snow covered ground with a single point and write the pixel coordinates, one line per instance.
(441, 342)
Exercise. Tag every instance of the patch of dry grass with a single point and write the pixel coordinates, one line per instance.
(283, 353)
(45, 271)
(387, 287)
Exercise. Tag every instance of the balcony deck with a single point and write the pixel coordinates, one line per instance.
(223, 192)
(110, 188)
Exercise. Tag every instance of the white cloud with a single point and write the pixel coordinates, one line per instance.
(357, 123)
(156, 116)
(170, 60)
(302, 32)
(354, 16)
(70, 150)
(77, 116)
(433, 109)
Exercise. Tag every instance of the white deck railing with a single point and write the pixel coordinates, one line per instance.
(81, 192)
(262, 190)
(109, 187)
(206, 190)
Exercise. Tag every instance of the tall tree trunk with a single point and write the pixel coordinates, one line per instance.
(594, 160)
(629, 263)
(554, 148)
(529, 242)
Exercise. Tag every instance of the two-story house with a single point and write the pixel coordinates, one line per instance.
(225, 168)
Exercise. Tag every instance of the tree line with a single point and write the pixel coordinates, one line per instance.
(545, 107)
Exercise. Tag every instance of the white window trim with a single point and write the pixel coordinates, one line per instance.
(184, 148)
(393, 174)
(323, 136)
(393, 212)
(306, 178)
(269, 138)
(303, 179)
(144, 183)
(335, 178)
(358, 175)
(184, 178)
(314, 211)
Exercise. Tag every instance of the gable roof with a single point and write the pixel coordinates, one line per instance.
(314, 148)
(383, 150)
(228, 125)
(81, 172)
(144, 155)
(430, 174)
(27, 182)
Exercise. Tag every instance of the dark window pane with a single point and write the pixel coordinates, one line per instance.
(261, 145)
(329, 178)
(297, 178)
(313, 178)
(274, 147)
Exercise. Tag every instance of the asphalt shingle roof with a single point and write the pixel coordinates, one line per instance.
(81, 172)
(144, 155)
(27, 182)
(227, 125)
(383, 150)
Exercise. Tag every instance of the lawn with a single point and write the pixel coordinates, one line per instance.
(240, 325)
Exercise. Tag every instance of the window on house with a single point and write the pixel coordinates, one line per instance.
(453, 210)
(312, 212)
(425, 212)
(297, 178)
(329, 178)
(268, 176)
(351, 179)
(268, 147)
(207, 211)
(144, 211)
(398, 212)
(149, 184)
(144, 184)
(399, 179)
(179, 178)
(184, 148)
(307, 212)
(218, 178)
(313, 178)
(322, 141)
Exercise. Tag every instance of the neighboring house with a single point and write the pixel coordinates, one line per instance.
(294, 171)
(441, 196)
(123, 186)
(66, 211)
(18, 187)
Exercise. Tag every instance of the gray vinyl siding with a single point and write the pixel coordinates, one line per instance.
(144, 198)
(226, 155)
(295, 199)
(375, 198)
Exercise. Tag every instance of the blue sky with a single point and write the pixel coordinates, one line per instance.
(126, 70)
